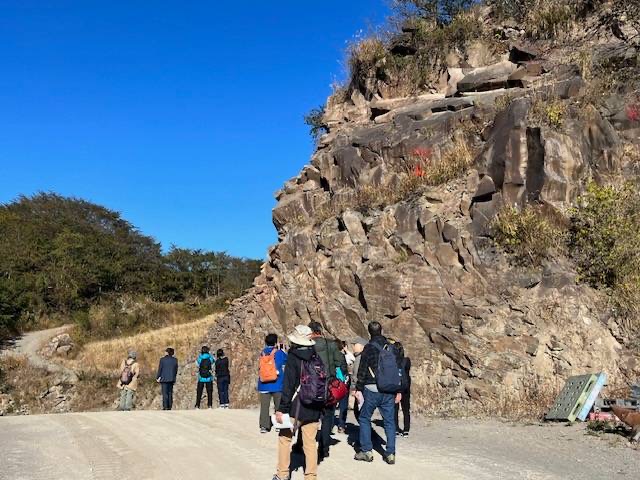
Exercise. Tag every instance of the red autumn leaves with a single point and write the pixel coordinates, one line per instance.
(421, 157)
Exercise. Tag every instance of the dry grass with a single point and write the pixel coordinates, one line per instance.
(106, 356)
(26, 384)
(420, 172)
(530, 403)
(531, 234)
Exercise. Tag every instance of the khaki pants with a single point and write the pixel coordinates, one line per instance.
(309, 445)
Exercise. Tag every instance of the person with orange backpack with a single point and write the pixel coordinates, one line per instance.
(270, 379)
(128, 382)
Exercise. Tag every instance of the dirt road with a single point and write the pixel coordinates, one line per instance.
(30, 344)
(158, 445)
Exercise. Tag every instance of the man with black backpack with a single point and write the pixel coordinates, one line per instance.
(205, 363)
(335, 365)
(380, 381)
(303, 398)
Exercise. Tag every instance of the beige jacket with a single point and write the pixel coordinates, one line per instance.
(135, 368)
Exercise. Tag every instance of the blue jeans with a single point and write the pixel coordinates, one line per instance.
(386, 403)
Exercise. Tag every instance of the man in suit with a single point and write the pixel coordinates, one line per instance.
(166, 377)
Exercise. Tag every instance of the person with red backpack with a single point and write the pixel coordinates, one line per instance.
(336, 366)
(304, 394)
(270, 379)
(128, 382)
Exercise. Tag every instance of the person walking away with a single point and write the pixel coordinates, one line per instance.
(358, 345)
(166, 377)
(304, 417)
(343, 406)
(405, 402)
(205, 364)
(223, 378)
(270, 379)
(128, 382)
(333, 360)
(378, 375)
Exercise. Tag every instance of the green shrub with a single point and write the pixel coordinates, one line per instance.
(528, 233)
(547, 111)
(314, 119)
(605, 243)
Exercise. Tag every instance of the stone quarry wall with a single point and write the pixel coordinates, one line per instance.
(477, 328)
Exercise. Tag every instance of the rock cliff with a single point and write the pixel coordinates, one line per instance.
(365, 234)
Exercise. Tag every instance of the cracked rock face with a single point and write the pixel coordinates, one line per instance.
(476, 327)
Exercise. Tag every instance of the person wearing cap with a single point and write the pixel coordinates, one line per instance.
(358, 346)
(166, 377)
(128, 383)
(306, 418)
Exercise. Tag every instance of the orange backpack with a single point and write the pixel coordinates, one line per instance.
(268, 368)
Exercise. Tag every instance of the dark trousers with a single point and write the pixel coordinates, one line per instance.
(328, 418)
(167, 395)
(223, 390)
(201, 387)
(265, 404)
(405, 403)
(343, 410)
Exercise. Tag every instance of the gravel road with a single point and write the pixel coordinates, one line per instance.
(225, 444)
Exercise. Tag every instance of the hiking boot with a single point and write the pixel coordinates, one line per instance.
(390, 459)
(364, 457)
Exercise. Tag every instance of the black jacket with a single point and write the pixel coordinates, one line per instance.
(222, 367)
(167, 369)
(369, 362)
(291, 383)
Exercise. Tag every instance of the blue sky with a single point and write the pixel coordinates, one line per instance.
(183, 116)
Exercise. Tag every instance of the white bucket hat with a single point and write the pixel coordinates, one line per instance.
(301, 335)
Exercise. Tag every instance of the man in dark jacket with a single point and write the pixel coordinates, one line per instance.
(333, 360)
(305, 418)
(166, 377)
(368, 395)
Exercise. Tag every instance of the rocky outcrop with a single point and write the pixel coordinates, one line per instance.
(352, 249)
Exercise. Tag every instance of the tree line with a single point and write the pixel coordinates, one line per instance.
(60, 255)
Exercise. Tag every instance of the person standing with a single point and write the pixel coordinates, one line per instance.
(223, 378)
(305, 418)
(333, 360)
(205, 364)
(372, 398)
(405, 402)
(128, 382)
(358, 346)
(343, 406)
(166, 377)
(270, 379)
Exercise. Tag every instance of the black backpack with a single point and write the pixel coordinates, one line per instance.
(205, 367)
